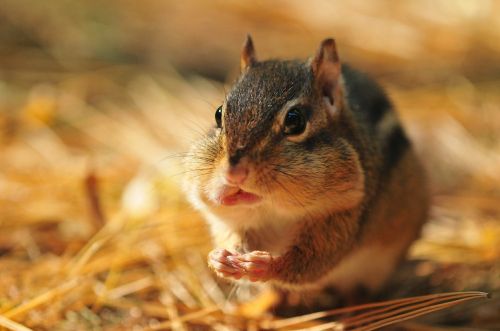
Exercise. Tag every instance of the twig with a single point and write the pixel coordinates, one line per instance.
(92, 193)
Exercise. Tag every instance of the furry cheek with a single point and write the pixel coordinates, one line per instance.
(347, 181)
(312, 182)
(213, 186)
(200, 164)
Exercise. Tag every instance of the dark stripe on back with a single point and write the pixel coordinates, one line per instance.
(379, 106)
(365, 96)
(396, 145)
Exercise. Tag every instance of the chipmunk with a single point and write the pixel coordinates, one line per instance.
(307, 178)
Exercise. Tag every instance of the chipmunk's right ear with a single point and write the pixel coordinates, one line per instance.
(248, 57)
(326, 70)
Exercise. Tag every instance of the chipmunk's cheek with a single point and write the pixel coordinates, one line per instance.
(213, 189)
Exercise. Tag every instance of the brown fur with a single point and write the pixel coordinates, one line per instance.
(344, 186)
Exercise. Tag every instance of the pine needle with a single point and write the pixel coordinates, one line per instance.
(43, 298)
(380, 313)
(9, 324)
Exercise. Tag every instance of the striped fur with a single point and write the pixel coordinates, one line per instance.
(340, 202)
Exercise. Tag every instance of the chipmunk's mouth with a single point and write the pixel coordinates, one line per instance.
(233, 195)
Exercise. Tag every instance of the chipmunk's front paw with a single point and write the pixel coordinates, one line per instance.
(257, 264)
(220, 261)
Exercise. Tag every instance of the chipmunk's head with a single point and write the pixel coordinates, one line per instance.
(280, 141)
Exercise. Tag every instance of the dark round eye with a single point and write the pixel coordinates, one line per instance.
(295, 122)
(218, 117)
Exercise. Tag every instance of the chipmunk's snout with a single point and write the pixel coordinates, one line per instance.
(237, 171)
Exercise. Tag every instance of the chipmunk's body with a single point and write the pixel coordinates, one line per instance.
(308, 178)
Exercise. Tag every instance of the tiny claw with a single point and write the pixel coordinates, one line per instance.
(219, 261)
(235, 263)
(238, 258)
(257, 265)
(233, 258)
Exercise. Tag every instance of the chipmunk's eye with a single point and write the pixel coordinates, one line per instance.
(295, 122)
(218, 117)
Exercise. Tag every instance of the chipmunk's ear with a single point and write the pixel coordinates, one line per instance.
(326, 70)
(248, 57)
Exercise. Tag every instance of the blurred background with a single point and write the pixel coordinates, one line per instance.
(97, 100)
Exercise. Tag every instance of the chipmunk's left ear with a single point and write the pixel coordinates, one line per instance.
(248, 57)
(326, 70)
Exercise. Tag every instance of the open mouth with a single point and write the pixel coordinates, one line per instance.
(231, 196)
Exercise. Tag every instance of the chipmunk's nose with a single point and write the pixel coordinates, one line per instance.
(237, 174)
(237, 170)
